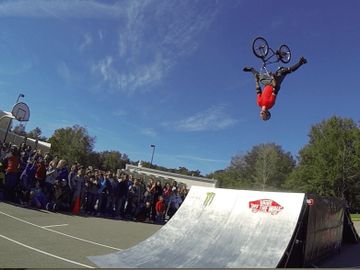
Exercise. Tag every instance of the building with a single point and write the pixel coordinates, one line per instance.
(168, 176)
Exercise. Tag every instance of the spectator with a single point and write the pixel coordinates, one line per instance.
(166, 193)
(174, 202)
(62, 196)
(183, 192)
(115, 194)
(148, 196)
(71, 176)
(27, 179)
(160, 210)
(102, 193)
(144, 212)
(157, 193)
(40, 174)
(174, 184)
(134, 199)
(151, 188)
(91, 195)
(37, 197)
(12, 162)
(111, 188)
(123, 195)
(62, 171)
(78, 186)
(51, 174)
(47, 159)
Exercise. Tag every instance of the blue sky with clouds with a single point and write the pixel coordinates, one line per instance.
(169, 73)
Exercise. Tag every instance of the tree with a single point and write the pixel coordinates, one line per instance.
(180, 170)
(20, 129)
(230, 178)
(268, 166)
(125, 158)
(329, 164)
(72, 143)
(112, 160)
(35, 133)
(93, 159)
(265, 167)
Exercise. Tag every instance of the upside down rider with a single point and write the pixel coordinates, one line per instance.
(266, 98)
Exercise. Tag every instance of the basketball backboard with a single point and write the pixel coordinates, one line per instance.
(21, 112)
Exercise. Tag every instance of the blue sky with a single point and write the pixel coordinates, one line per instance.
(169, 73)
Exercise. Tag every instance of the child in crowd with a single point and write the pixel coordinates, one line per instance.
(160, 209)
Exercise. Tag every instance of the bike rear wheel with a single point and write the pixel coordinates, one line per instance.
(260, 47)
(284, 54)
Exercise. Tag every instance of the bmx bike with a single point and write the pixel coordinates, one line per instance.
(262, 50)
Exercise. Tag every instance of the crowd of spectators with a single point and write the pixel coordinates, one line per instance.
(30, 178)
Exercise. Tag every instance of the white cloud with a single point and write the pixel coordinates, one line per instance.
(152, 35)
(152, 39)
(87, 41)
(61, 9)
(214, 118)
(104, 67)
(101, 35)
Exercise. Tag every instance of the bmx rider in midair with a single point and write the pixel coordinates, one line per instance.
(266, 97)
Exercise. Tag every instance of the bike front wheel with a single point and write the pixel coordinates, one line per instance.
(284, 54)
(260, 47)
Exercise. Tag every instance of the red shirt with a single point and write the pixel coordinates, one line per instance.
(160, 207)
(40, 171)
(266, 98)
(12, 165)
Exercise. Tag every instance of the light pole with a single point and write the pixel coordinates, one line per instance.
(9, 125)
(152, 156)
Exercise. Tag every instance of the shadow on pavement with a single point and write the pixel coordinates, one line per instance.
(348, 257)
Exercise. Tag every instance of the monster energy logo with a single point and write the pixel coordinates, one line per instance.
(209, 198)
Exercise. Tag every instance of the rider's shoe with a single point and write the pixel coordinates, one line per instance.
(247, 69)
(303, 60)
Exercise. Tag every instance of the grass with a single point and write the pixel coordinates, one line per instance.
(355, 217)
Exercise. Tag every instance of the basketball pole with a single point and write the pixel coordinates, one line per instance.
(7, 130)
(9, 125)
(7, 116)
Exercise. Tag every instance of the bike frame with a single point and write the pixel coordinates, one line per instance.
(272, 54)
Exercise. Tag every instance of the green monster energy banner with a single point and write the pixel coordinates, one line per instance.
(209, 198)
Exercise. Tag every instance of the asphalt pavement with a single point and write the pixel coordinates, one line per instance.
(41, 239)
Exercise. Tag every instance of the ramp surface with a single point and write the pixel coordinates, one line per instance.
(218, 228)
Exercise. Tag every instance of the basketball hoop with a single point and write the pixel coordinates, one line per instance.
(21, 112)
